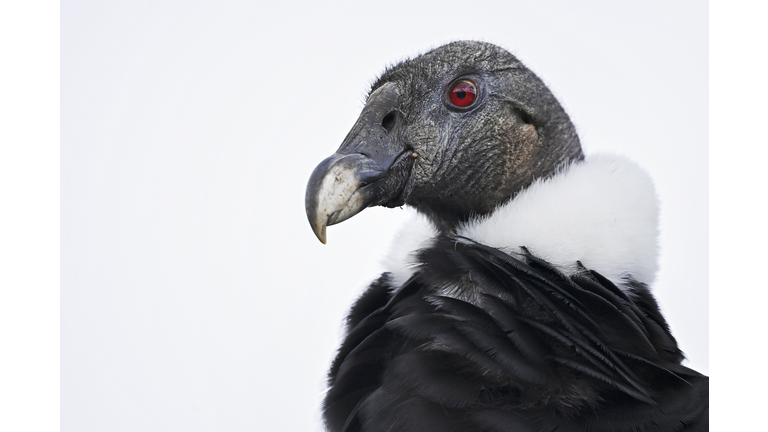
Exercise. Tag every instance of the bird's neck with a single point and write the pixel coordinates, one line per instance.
(448, 219)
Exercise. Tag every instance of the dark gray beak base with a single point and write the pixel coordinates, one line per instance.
(370, 167)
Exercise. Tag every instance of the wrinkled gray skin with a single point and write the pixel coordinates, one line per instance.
(412, 146)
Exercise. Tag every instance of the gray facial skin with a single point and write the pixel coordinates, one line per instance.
(411, 145)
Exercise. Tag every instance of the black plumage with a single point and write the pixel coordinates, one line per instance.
(535, 351)
(480, 338)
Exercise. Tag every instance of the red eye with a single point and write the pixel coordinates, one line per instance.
(463, 93)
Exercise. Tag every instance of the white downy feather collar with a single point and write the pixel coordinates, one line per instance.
(602, 212)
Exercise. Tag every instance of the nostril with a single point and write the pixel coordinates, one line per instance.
(388, 122)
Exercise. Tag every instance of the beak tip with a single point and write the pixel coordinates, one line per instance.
(320, 233)
(335, 190)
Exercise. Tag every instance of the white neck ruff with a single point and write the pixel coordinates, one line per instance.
(602, 212)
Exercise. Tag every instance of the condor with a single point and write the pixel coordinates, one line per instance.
(520, 300)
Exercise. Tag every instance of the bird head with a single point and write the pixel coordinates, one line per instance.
(453, 133)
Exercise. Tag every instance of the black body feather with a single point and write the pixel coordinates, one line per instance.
(479, 340)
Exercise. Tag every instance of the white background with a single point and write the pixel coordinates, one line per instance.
(194, 295)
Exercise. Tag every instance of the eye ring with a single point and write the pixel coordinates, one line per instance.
(462, 94)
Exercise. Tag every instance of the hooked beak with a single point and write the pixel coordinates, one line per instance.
(339, 188)
(370, 168)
